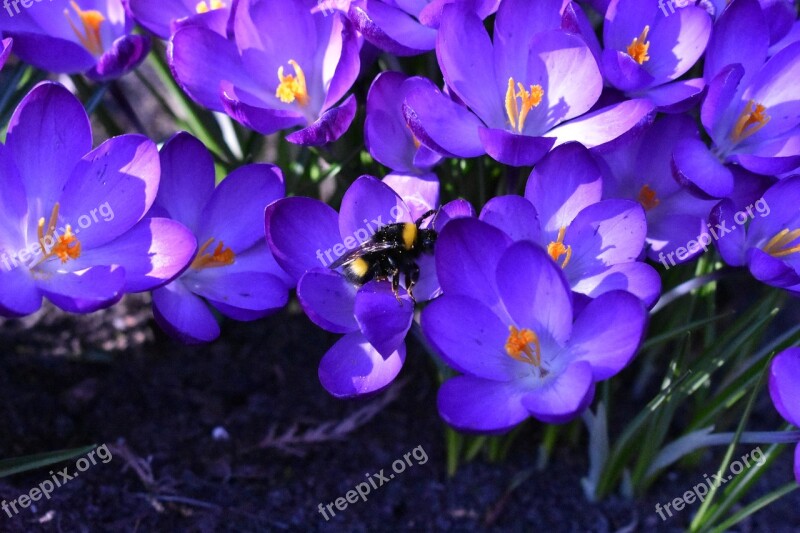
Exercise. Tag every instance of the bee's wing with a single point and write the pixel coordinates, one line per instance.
(366, 248)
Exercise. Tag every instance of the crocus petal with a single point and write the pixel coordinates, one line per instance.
(517, 22)
(624, 72)
(184, 315)
(608, 332)
(515, 216)
(420, 193)
(678, 42)
(609, 232)
(464, 51)
(157, 16)
(469, 337)
(49, 53)
(771, 270)
(467, 254)
(256, 117)
(534, 291)
(366, 206)
(253, 291)
(49, 111)
(696, 167)
(607, 124)
(564, 397)
(329, 127)
(85, 291)
(639, 279)
(563, 183)
(123, 174)
(384, 320)
(678, 96)
(475, 404)
(234, 213)
(187, 179)
(784, 375)
(342, 57)
(301, 233)
(715, 114)
(328, 299)
(513, 149)
(152, 253)
(773, 87)
(391, 29)
(442, 124)
(731, 246)
(19, 295)
(124, 55)
(740, 36)
(386, 135)
(352, 367)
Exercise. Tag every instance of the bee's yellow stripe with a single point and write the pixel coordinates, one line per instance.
(409, 235)
(359, 267)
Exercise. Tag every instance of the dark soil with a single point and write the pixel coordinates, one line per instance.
(112, 378)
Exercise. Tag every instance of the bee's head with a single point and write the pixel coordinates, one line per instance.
(427, 239)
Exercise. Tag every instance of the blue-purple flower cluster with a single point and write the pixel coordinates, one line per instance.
(640, 142)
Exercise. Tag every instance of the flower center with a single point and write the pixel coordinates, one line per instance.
(91, 19)
(203, 7)
(752, 118)
(639, 47)
(65, 247)
(523, 345)
(292, 86)
(647, 197)
(556, 248)
(219, 258)
(778, 246)
(529, 100)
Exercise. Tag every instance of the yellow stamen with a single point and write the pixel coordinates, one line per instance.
(219, 258)
(292, 87)
(752, 118)
(647, 197)
(639, 47)
(203, 7)
(65, 247)
(91, 19)
(529, 100)
(556, 249)
(518, 346)
(778, 246)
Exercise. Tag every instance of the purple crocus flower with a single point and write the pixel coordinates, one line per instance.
(596, 243)
(407, 27)
(70, 36)
(72, 224)
(770, 245)
(164, 17)
(751, 111)
(506, 322)
(780, 14)
(784, 389)
(233, 269)
(306, 236)
(641, 170)
(528, 89)
(646, 51)
(280, 67)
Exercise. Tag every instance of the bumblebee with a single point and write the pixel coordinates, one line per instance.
(391, 252)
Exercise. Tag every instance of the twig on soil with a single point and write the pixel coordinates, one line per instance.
(290, 441)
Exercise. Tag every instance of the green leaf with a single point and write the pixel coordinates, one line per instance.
(39, 460)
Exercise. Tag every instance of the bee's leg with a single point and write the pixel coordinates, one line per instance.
(421, 219)
(396, 285)
(412, 277)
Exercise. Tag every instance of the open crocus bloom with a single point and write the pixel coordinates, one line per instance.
(784, 388)
(306, 236)
(641, 170)
(506, 322)
(770, 245)
(164, 17)
(71, 36)
(597, 243)
(406, 27)
(751, 112)
(280, 67)
(71, 218)
(645, 51)
(529, 88)
(233, 269)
